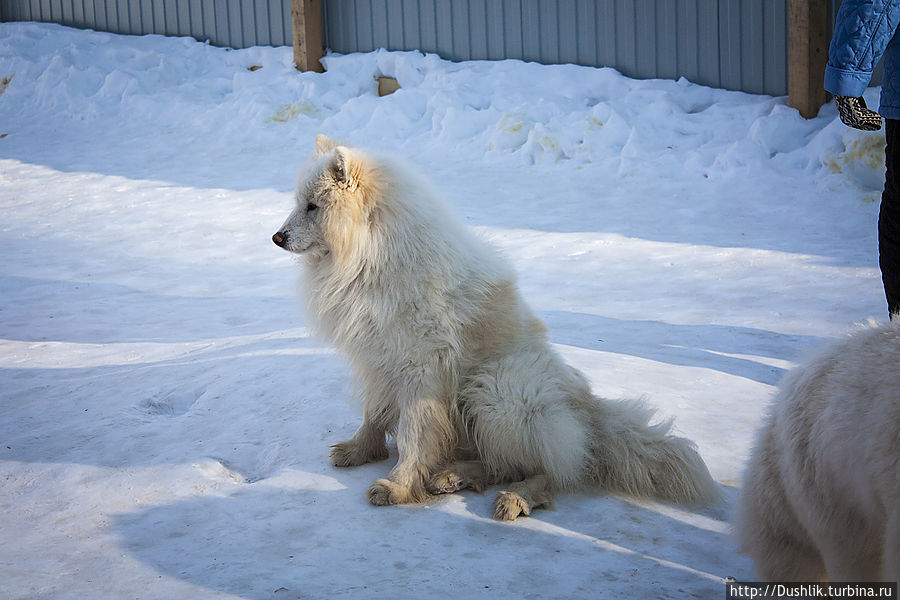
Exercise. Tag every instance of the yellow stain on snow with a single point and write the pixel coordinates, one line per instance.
(289, 112)
(868, 150)
(510, 126)
(548, 142)
(870, 198)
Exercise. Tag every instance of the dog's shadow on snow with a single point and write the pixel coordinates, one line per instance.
(739, 351)
(198, 397)
(300, 535)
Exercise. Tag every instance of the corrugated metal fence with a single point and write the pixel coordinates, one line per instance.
(233, 23)
(735, 44)
(732, 44)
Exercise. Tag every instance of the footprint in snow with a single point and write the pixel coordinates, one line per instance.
(172, 402)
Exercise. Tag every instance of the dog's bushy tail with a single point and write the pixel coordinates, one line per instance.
(643, 460)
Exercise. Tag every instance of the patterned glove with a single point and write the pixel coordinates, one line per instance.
(854, 113)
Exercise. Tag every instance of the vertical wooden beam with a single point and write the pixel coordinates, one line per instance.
(807, 55)
(306, 26)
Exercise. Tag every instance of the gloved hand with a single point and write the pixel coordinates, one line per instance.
(854, 113)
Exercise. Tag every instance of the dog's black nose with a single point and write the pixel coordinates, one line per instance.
(280, 239)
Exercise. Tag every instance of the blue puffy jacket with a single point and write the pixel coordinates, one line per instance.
(864, 31)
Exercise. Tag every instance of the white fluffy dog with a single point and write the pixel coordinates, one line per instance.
(449, 358)
(821, 498)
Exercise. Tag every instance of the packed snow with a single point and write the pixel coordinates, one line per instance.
(165, 415)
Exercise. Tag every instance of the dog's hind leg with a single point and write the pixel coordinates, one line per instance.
(522, 497)
(460, 475)
(777, 543)
(767, 524)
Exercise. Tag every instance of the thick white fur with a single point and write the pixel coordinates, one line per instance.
(821, 497)
(449, 358)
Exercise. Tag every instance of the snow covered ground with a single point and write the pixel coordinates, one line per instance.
(165, 417)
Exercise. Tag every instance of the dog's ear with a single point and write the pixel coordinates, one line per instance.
(345, 168)
(324, 144)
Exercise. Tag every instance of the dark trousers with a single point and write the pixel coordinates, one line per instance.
(889, 219)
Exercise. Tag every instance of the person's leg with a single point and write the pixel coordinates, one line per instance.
(889, 219)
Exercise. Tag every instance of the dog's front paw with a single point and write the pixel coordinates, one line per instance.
(385, 492)
(510, 505)
(445, 482)
(350, 454)
(346, 454)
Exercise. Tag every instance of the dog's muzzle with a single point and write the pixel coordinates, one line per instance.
(280, 239)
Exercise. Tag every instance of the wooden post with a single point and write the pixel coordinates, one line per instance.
(306, 25)
(807, 55)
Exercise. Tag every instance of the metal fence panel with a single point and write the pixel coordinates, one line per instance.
(233, 23)
(735, 44)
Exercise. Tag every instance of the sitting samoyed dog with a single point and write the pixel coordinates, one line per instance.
(450, 360)
(821, 497)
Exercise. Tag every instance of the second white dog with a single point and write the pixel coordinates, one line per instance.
(821, 497)
(451, 361)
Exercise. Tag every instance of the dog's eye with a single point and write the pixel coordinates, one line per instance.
(311, 207)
